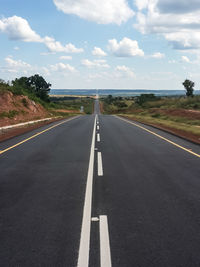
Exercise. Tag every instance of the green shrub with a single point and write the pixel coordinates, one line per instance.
(24, 102)
(10, 114)
(156, 115)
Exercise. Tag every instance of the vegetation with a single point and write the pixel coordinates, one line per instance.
(10, 114)
(189, 87)
(73, 103)
(37, 89)
(180, 113)
(171, 122)
(115, 104)
(149, 101)
(34, 85)
(4, 86)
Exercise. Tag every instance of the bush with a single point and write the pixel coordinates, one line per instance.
(34, 85)
(24, 102)
(10, 114)
(140, 100)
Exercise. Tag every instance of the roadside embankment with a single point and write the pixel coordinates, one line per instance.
(177, 115)
(179, 126)
(19, 108)
(19, 114)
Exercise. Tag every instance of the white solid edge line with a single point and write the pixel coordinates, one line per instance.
(84, 247)
(98, 137)
(105, 256)
(100, 165)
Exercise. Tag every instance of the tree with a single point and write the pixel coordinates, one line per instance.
(3, 85)
(20, 85)
(109, 99)
(189, 87)
(140, 100)
(2, 81)
(39, 86)
(35, 85)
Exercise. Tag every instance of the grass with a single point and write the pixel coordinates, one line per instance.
(173, 123)
(164, 103)
(158, 112)
(73, 104)
(10, 114)
(174, 102)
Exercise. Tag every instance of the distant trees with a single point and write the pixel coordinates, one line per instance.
(109, 99)
(189, 87)
(117, 101)
(35, 84)
(140, 100)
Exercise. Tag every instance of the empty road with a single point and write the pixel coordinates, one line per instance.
(98, 190)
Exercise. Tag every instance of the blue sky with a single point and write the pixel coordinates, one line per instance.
(118, 44)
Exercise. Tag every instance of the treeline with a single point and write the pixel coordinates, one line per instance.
(140, 100)
(117, 101)
(33, 86)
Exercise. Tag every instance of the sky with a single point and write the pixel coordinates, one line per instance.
(101, 44)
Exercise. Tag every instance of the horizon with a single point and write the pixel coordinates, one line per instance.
(118, 92)
(112, 89)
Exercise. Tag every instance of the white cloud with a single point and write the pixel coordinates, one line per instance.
(125, 48)
(97, 51)
(158, 55)
(17, 68)
(185, 59)
(93, 77)
(100, 11)
(124, 71)
(47, 53)
(46, 71)
(55, 46)
(62, 67)
(18, 28)
(95, 63)
(178, 21)
(66, 57)
(16, 65)
(16, 48)
(141, 4)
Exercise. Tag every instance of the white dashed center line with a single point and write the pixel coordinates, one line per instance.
(84, 247)
(100, 165)
(98, 137)
(104, 242)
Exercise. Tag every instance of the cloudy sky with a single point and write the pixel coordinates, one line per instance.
(119, 44)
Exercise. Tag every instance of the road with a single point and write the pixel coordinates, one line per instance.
(97, 190)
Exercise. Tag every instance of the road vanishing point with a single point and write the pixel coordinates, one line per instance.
(99, 191)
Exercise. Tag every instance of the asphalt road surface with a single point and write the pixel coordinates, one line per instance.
(98, 190)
